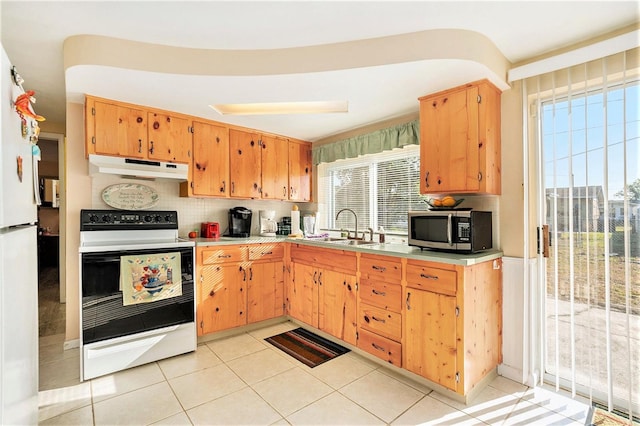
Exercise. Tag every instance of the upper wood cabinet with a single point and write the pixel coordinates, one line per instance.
(169, 138)
(124, 130)
(275, 168)
(114, 129)
(209, 171)
(245, 156)
(460, 140)
(300, 171)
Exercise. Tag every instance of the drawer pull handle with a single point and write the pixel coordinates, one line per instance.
(378, 293)
(429, 277)
(378, 268)
(378, 347)
(378, 319)
(408, 301)
(224, 256)
(267, 253)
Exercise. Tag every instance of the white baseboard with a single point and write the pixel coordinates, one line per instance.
(511, 373)
(71, 344)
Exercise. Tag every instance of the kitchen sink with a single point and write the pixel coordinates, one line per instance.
(342, 241)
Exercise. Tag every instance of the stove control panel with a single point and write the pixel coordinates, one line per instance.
(114, 220)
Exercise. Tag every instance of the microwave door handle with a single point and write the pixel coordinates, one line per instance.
(449, 230)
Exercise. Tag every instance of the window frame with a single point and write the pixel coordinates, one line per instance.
(326, 192)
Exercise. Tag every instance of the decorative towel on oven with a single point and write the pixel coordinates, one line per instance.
(151, 277)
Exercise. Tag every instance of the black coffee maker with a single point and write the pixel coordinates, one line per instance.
(239, 222)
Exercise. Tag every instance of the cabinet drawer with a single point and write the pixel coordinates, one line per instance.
(381, 268)
(333, 259)
(223, 254)
(380, 321)
(381, 347)
(432, 279)
(266, 251)
(380, 294)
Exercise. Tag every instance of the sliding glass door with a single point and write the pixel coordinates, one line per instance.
(589, 159)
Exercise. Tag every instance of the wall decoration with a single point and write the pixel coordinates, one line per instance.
(130, 196)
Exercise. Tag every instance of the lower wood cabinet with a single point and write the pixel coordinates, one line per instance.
(238, 285)
(222, 301)
(379, 307)
(453, 322)
(322, 290)
(440, 321)
(265, 287)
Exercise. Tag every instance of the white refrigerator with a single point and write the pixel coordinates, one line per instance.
(18, 264)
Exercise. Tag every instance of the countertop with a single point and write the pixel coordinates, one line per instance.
(399, 250)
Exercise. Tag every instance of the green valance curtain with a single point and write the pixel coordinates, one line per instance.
(371, 143)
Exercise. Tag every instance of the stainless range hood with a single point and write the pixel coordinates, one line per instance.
(135, 168)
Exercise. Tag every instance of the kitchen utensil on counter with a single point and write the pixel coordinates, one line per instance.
(210, 230)
(239, 222)
(268, 224)
(309, 224)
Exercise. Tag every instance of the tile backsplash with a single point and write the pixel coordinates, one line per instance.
(193, 211)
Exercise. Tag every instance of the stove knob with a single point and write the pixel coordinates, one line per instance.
(93, 218)
(107, 218)
(158, 218)
(168, 218)
(148, 218)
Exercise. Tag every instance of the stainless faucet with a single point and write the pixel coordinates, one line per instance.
(370, 234)
(356, 218)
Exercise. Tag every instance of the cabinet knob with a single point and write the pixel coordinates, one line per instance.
(139, 120)
(156, 125)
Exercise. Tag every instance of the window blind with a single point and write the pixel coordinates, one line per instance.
(585, 121)
(379, 188)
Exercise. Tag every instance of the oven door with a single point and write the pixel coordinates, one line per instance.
(104, 315)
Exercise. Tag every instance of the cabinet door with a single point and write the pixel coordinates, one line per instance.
(449, 152)
(169, 138)
(119, 130)
(430, 344)
(299, 171)
(223, 297)
(302, 294)
(275, 168)
(244, 158)
(265, 298)
(337, 313)
(210, 166)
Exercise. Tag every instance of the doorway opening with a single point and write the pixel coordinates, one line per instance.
(51, 294)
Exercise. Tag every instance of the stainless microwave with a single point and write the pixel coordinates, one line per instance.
(465, 231)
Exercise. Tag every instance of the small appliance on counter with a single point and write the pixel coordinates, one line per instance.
(461, 230)
(210, 230)
(239, 222)
(284, 226)
(268, 224)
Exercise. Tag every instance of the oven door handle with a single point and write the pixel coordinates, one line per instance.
(102, 258)
(449, 230)
(101, 300)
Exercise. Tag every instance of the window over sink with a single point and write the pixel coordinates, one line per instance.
(379, 188)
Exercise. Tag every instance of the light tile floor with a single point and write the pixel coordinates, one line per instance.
(245, 380)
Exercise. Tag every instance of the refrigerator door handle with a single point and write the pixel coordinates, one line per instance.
(35, 150)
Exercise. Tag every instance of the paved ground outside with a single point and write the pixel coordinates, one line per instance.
(591, 347)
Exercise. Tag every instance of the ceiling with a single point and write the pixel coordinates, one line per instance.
(380, 81)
